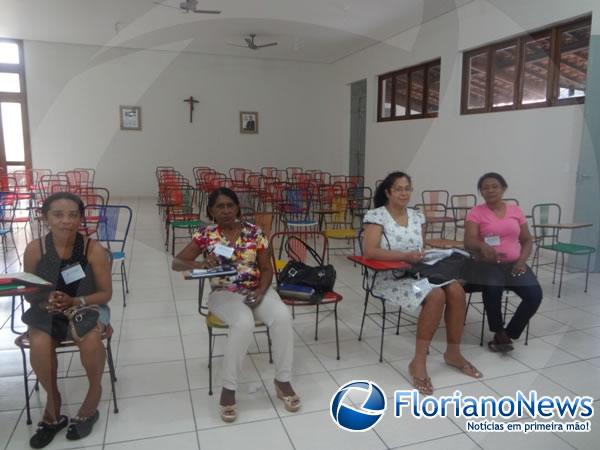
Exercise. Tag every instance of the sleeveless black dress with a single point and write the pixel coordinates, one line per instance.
(49, 268)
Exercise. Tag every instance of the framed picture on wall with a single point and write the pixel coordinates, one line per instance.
(131, 117)
(248, 122)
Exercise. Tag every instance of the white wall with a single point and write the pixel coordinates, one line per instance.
(537, 150)
(74, 94)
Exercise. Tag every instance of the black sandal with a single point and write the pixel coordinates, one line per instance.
(81, 427)
(500, 345)
(45, 432)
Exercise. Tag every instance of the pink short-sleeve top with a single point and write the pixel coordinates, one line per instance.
(502, 233)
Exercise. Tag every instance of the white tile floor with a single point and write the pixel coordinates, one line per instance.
(160, 348)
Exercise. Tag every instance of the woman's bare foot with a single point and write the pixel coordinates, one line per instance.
(227, 397)
(420, 378)
(285, 387)
(456, 359)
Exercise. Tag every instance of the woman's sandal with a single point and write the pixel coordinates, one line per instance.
(290, 402)
(497, 346)
(81, 427)
(228, 413)
(467, 368)
(423, 385)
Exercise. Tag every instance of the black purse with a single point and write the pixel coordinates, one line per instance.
(82, 320)
(447, 269)
(321, 278)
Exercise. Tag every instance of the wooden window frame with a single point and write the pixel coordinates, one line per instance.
(21, 98)
(553, 72)
(408, 71)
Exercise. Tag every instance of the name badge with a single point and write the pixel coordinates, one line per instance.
(492, 241)
(72, 273)
(224, 251)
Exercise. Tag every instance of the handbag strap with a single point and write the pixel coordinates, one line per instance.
(290, 251)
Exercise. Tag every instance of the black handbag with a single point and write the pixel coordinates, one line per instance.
(321, 277)
(447, 269)
(82, 320)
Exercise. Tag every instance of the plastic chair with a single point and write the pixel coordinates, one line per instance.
(547, 238)
(113, 231)
(289, 250)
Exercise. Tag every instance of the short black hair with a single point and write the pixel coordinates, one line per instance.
(63, 196)
(380, 198)
(212, 199)
(496, 176)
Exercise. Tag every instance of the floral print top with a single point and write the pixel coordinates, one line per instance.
(245, 250)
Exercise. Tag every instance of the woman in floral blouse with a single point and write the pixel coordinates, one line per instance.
(241, 299)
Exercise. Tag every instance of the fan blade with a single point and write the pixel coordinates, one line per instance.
(266, 45)
(166, 6)
(206, 11)
(237, 45)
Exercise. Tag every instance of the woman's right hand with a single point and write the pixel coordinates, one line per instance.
(211, 260)
(488, 253)
(413, 257)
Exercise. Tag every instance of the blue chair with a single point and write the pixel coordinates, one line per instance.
(113, 230)
(8, 204)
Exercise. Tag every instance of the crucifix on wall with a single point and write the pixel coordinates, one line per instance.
(191, 100)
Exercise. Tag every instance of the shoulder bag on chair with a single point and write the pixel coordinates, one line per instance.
(297, 278)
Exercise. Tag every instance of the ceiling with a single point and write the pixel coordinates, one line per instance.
(321, 31)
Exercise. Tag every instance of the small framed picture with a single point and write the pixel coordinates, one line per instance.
(131, 117)
(248, 122)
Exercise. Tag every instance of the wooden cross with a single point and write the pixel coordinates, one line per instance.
(191, 101)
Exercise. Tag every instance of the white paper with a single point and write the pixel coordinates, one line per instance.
(435, 255)
(25, 277)
(492, 241)
(223, 250)
(73, 273)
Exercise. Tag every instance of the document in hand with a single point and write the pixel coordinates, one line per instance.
(217, 271)
(435, 255)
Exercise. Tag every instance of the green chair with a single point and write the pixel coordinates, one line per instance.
(547, 238)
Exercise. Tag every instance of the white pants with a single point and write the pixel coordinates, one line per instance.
(229, 307)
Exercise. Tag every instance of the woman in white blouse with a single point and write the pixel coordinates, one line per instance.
(394, 232)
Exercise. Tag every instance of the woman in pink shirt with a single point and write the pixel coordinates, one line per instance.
(497, 235)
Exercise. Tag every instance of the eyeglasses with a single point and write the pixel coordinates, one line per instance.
(402, 189)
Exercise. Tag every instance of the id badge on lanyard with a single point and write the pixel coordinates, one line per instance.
(72, 273)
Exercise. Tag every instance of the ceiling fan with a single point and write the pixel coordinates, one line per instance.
(190, 6)
(252, 45)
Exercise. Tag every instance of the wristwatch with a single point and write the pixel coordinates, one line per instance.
(82, 301)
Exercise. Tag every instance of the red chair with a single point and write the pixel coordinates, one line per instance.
(290, 250)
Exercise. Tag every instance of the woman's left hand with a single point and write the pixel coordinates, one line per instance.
(253, 298)
(519, 269)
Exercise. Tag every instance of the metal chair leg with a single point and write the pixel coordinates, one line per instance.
(26, 383)
(210, 355)
(337, 337)
(562, 268)
(382, 332)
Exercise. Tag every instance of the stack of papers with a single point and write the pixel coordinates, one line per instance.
(217, 271)
(435, 255)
